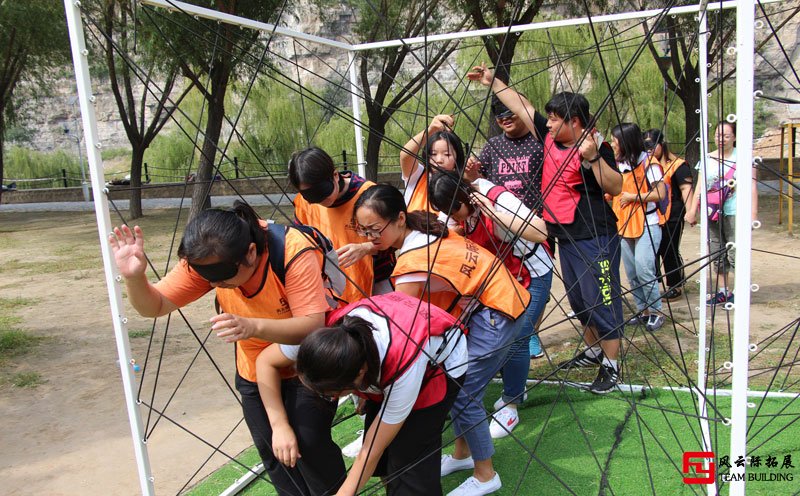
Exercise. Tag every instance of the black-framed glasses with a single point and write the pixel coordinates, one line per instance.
(216, 272)
(371, 233)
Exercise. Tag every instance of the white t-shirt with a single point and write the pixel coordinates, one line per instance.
(400, 396)
(654, 174)
(540, 263)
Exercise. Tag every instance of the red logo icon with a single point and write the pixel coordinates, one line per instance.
(703, 464)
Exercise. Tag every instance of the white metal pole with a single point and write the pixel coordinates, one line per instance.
(745, 49)
(93, 145)
(356, 102)
(702, 341)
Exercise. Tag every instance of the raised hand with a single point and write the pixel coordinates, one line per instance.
(481, 74)
(128, 249)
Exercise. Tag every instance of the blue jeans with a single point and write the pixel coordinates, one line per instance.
(515, 372)
(488, 343)
(639, 258)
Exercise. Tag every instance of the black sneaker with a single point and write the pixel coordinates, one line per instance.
(581, 360)
(637, 320)
(606, 380)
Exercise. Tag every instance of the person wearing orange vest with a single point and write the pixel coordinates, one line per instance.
(578, 170)
(497, 220)
(442, 150)
(405, 360)
(459, 276)
(639, 221)
(226, 250)
(678, 176)
(326, 202)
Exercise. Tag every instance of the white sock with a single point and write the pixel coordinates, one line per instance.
(594, 351)
(610, 363)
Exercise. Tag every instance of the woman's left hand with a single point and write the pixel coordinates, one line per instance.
(232, 328)
(482, 202)
(352, 253)
(626, 199)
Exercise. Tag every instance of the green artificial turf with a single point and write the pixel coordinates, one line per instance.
(573, 442)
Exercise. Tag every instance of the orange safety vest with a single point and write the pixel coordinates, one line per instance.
(418, 199)
(269, 303)
(471, 271)
(338, 225)
(631, 218)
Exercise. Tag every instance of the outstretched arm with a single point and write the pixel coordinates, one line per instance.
(515, 102)
(128, 249)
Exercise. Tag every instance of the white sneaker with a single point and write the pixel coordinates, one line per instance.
(503, 422)
(352, 449)
(450, 464)
(501, 404)
(474, 487)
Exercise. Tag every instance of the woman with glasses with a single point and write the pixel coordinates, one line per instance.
(326, 202)
(459, 276)
(719, 169)
(405, 360)
(226, 250)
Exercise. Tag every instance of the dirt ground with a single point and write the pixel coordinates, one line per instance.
(70, 434)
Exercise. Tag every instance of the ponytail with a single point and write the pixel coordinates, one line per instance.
(426, 222)
(331, 358)
(223, 233)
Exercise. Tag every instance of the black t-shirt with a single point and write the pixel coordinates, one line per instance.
(515, 163)
(682, 175)
(593, 215)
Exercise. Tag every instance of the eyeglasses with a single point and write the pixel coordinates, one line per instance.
(371, 233)
(216, 272)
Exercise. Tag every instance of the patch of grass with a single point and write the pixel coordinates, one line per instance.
(14, 303)
(15, 342)
(27, 380)
(139, 333)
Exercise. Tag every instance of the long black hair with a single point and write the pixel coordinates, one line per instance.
(223, 233)
(447, 191)
(630, 141)
(330, 359)
(455, 143)
(387, 201)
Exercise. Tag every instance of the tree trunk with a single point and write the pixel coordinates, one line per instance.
(377, 127)
(201, 194)
(137, 158)
(690, 96)
(2, 148)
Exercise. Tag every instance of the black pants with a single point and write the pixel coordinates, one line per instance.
(669, 252)
(411, 464)
(321, 469)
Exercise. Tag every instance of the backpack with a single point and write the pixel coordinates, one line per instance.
(332, 276)
(717, 194)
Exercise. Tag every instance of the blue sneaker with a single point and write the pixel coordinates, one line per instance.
(535, 347)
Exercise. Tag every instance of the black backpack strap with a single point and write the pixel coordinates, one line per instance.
(276, 245)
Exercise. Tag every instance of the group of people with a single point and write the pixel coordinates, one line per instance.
(444, 287)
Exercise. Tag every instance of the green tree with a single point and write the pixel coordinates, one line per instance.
(379, 69)
(34, 42)
(147, 70)
(212, 55)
